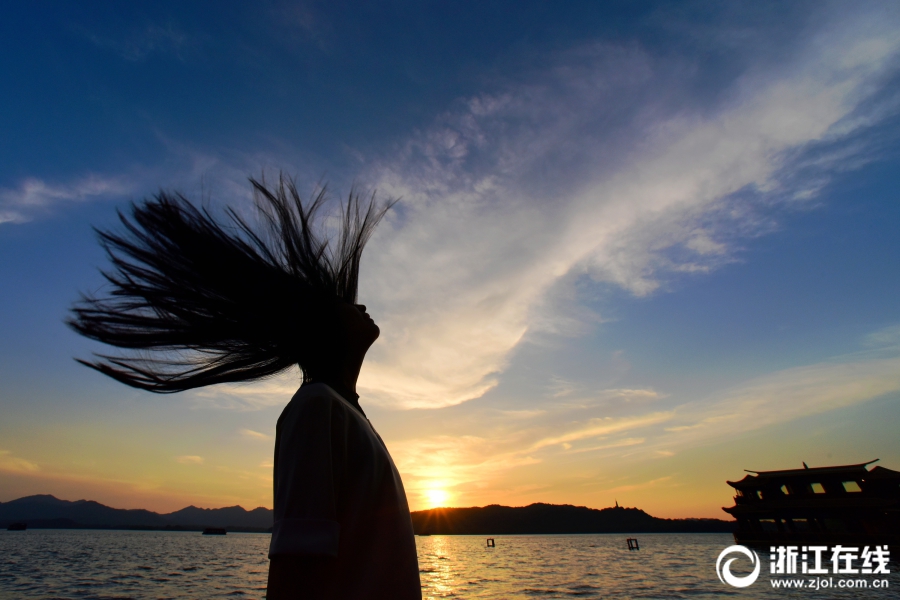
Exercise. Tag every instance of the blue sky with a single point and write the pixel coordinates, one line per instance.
(640, 246)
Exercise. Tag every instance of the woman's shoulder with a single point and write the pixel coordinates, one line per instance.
(315, 399)
(316, 412)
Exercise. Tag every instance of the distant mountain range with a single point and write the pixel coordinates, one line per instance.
(556, 518)
(45, 511)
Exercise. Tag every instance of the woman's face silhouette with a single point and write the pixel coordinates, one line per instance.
(360, 329)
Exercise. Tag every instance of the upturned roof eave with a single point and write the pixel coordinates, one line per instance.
(858, 470)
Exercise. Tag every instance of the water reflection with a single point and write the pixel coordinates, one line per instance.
(132, 564)
(435, 566)
(589, 566)
(126, 564)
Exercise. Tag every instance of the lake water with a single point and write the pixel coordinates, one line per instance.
(150, 565)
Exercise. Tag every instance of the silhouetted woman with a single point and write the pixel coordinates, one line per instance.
(195, 301)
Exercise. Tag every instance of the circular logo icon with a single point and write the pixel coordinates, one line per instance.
(724, 571)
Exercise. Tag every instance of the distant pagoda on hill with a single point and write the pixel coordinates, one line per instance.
(847, 504)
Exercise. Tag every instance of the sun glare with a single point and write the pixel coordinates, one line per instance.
(436, 498)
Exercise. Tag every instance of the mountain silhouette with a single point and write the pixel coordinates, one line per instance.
(554, 518)
(259, 518)
(45, 511)
(49, 511)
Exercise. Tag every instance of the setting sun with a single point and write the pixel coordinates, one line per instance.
(436, 498)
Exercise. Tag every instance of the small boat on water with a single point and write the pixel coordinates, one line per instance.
(214, 531)
(845, 504)
(17, 527)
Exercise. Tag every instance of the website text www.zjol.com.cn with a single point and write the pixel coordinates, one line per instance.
(856, 567)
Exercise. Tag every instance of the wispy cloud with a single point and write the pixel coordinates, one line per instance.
(496, 456)
(471, 466)
(34, 196)
(198, 172)
(189, 459)
(255, 435)
(583, 170)
(784, 396)
(617, 444)
(167, 40)
(603, 426)
(15, 464)
(254, 396)
(887, 338)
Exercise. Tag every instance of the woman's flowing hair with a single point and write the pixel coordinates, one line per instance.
(196, 301)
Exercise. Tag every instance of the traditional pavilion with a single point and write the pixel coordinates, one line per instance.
(848, 504)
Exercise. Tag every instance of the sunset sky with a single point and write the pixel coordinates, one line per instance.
(640, 246)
